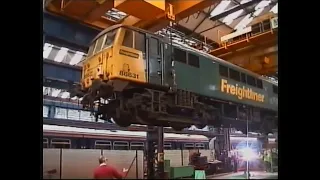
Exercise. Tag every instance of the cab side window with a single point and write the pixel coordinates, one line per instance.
(135, 40)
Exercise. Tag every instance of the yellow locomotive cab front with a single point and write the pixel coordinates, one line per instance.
(114, 57)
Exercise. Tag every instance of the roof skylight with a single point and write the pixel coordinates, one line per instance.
(220, 8)
(115, 15)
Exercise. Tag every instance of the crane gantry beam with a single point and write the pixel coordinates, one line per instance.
(153, 16)
(86, 12)
(181, 10)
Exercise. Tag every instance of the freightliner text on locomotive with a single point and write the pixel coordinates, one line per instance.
(137, 77)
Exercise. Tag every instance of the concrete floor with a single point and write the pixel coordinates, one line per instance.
(240, 175)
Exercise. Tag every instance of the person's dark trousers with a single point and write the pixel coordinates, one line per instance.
(265, 166)
(269, 167)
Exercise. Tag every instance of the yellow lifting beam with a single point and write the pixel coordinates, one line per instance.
(181, 9)
(147, 14)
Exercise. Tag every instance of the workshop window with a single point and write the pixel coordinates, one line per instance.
(179, 55)
(193, 60)
(256, 29)
(251, 80)
(275, 89)
(45, 111)
(223, 71)
(266, 24)
(235, 75)
(99, 44)
(243, 78)
(259, 83)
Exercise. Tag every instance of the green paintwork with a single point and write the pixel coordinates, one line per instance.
(180, 172)
(199, 174)
(206, 81)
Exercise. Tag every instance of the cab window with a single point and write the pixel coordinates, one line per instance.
(110, 37)
(135, 40)
(128, 38)
(99, 44)
(102, 42)
(91, 48)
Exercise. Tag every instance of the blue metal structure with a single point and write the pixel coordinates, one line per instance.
(61, 72)
(66, 32)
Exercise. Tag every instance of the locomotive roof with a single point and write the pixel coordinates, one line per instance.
(185, 47)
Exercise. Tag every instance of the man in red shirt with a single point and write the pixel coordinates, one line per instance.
(105, 171)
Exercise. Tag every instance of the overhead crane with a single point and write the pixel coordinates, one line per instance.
(153, 17)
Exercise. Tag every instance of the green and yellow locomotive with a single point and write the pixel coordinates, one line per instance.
(136, 77)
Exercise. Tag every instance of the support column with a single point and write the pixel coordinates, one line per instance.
(226, 135)
(154, 157)
(160, 152)
(219, 141)
(223, 142)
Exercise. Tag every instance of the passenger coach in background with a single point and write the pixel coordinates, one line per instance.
(137, 77)
(83, 138)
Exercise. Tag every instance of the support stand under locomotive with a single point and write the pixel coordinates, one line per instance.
(154, 156)
(154, 151)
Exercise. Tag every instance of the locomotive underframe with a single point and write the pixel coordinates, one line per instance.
(139, 104)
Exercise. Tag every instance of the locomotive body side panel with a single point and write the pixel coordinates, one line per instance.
(209, 78)
(231, 90)
(187, 77)
(207, 81)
